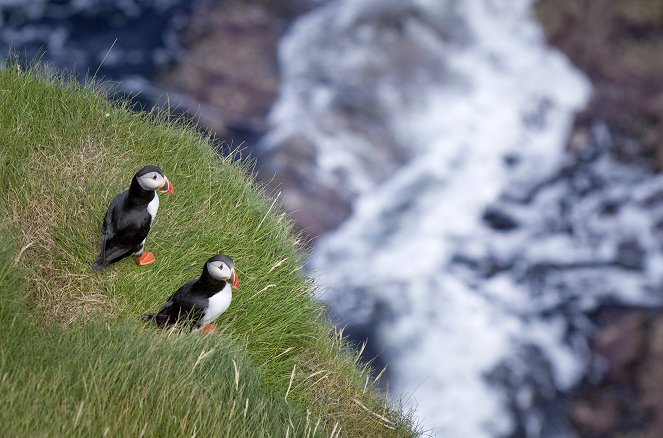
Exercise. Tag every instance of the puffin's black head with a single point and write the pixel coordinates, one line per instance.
(222, 267)
(152, 178)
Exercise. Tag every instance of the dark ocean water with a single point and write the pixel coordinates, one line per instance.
(113, 40)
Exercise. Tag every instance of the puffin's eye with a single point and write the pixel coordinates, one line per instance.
(154, 177)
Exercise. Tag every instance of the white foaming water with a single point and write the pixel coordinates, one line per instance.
(449, 334)
(426, 113)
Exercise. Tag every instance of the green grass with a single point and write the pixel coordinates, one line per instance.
(117, 380)
(65, 151)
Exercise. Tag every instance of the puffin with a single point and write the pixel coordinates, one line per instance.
(130, 217)
(201, 301)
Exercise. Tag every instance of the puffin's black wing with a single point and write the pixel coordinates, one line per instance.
(109, 253)
(121, 232)
(183, 305)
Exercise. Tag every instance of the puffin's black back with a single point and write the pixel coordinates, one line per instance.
(184, 305)
(127, 222)
(190, 301)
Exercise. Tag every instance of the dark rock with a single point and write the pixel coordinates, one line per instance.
(627, 397)
(618, 45)
(621, 345)
(650, 377)
(230, 65)
(499, 219)
(610, 208)
(596, 416)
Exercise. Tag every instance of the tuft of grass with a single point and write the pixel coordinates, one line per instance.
(65, 151)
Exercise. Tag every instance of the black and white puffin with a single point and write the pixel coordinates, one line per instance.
(203, 300)
(130, 217)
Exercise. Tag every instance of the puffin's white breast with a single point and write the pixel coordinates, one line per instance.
(218, 303)
(152, 208)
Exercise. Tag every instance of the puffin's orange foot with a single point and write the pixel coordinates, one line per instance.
(145, 259)
(209, 329)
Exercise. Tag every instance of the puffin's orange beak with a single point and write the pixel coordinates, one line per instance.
(168, 188)
(234, 280)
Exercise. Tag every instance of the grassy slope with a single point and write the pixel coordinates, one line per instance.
(96, 379)
(64, 153)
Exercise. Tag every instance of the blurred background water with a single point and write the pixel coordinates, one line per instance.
(478, 178)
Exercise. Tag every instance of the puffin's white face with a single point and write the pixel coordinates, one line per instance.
(152, 181)
(219, 270)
